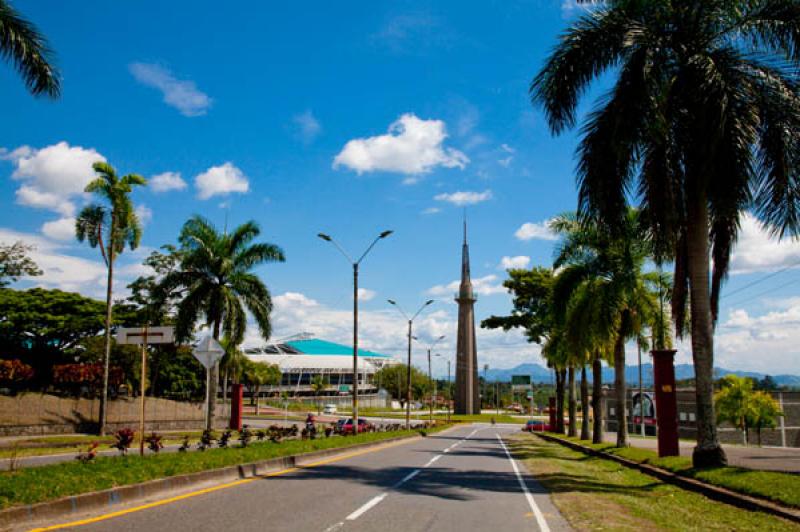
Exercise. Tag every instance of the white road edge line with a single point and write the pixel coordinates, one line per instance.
(372, 502)
(540, 520)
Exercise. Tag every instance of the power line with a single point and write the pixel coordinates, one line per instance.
(773, 289)
(762, 279)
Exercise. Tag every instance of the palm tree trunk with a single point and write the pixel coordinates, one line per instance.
(572, 430)
(621, 392)
(560, 378)
(258, 393)
(107, 356)
(584, 404)
(708, 452)
(212, 384)
(597, 400)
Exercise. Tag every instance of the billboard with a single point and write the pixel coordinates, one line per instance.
(521, 380)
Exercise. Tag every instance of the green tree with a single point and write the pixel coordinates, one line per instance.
(214, 281)
(318, 386)
(39, 325)
(393, 380)
(700, 125)
(743, 407)
(15, 263)
(258, 374)
(109, 226)
(604, 294)
(27, 50)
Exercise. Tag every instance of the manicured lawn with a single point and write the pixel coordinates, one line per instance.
(783, 488)
(599, 494)
(39, 484)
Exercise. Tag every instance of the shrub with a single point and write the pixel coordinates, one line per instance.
(224, 439)
(261, 435)
(184, 445)
(206, 440)
(154, 442)
(245, 435)
(89, 455)
(15, 371)
(73, 377)
(124, 439)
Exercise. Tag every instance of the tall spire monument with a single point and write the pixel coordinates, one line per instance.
(467, 399)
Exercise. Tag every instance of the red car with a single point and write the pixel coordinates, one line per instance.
(536, 425)
(363, 426)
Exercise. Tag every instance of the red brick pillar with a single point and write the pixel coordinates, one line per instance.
(666, 401)
(552, 411)
(236, 407)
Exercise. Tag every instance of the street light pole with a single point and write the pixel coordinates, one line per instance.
(355, 264)
(430, 373)
(408, 369)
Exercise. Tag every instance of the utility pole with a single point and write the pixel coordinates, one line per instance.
(355, 264)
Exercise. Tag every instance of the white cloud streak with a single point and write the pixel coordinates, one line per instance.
(183, 95)
(463, 198)
(221, 181)
(166, 181)
(535, 231)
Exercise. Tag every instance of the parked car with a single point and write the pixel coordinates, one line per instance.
(329, 409)
(536, 425)
(363, 426)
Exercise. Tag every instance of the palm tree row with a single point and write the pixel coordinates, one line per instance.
(595, 299)
(700, 125)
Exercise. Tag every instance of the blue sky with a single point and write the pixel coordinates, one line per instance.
(346, 118)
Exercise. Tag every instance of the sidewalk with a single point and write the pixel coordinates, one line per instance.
(785, 459)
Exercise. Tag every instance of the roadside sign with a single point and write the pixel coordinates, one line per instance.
(136, 335)
(521, 380)
(208, 352)
(530, 395)
(344, 388)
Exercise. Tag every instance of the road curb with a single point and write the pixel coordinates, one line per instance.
(709, 490)
(110, 498)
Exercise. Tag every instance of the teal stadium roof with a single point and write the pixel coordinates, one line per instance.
(314, 346)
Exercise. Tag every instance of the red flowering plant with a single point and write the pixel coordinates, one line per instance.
(75, 377)
(14, 374)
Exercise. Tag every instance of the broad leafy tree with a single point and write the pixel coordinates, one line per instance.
(258, 374)
(39, 325)
(215, 284)
(700, 125)
(15, 263)
(27, 50)
(109, 225)
(393, 380)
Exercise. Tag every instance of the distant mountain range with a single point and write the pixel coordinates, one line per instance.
(541, 374)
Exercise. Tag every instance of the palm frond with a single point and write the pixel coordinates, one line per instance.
(27, 49)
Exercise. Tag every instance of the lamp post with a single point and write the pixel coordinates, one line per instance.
(430, 373)
(355, 265)
(408, 369)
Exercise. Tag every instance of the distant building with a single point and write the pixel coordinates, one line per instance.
(302, 358)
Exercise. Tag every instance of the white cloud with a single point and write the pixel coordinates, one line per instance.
(535, 231)
(505, 162)
(220, 181)
(508, 263)
(51, 177)
(412, 146)
(183, 95)
(61, 229)
(756, 251)
(365, 294)
(485, 286)
(431, 210)
(166, 181)
(462, 198)
(307, 126)
(144, 213)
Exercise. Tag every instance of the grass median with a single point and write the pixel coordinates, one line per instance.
(33, 485)
(595, 493)
(783, 488)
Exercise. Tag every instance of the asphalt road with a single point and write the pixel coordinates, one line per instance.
(461, 480)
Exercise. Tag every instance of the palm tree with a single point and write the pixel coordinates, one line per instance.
(318, 386)
(603, 293)
(109, 226)
(26, 48)
(217, 284)
(701, 124)
(258, 374)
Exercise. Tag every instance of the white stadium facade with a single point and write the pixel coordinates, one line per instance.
(301, 358)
